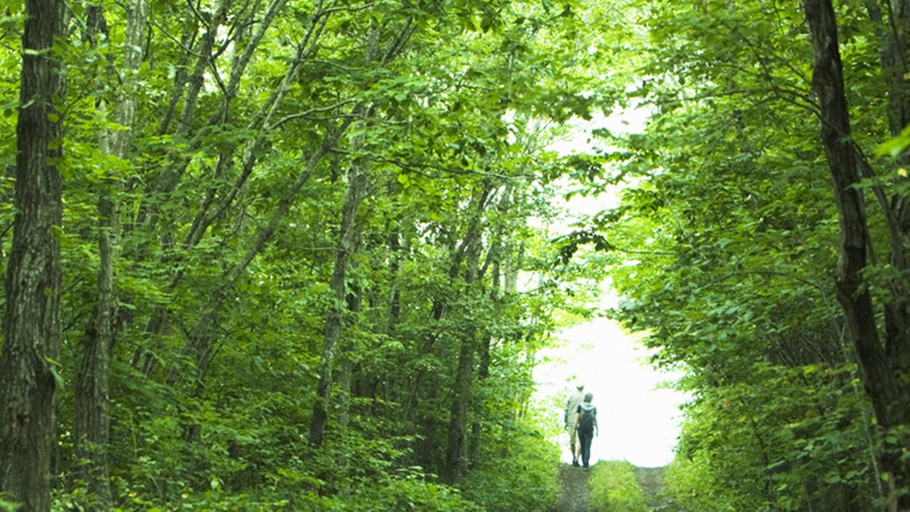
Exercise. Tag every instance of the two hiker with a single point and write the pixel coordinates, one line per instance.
(581, 421)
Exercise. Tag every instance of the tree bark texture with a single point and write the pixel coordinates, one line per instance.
(881, 384)
(31, 323)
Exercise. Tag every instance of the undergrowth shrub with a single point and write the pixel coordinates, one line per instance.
(354, 475)
(263, 463)
(691, 484)
(614, 487)
(518, 470)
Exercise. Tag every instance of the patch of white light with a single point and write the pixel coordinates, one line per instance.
(637, 412)
(638, 415)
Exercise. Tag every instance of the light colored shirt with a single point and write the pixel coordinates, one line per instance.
(572, 405)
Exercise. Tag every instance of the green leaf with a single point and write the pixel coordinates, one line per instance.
(52, 367)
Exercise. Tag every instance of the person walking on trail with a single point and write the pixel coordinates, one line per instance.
(571, 410)
(586, 426)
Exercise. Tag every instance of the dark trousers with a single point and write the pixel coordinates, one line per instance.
(585, 439)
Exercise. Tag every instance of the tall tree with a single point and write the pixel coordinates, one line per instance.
(723, 240)
(92, 386)
(455, 462)
(229, 268)
(29, 377)
(358, 181)
(883, 376)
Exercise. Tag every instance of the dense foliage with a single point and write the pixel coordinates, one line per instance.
(726, 246)
(302, 259)
(292, 253)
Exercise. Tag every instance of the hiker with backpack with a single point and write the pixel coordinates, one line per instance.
(586, 426)
(571, 410)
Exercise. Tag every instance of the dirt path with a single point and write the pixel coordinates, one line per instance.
(574, 494)
(573, 490)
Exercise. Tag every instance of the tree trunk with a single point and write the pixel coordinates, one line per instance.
(199, 340)
(892, 36)
(483, 372)
(462, 389)
(347, 237)
(346, 370)
(92, 425)
(395, 381)
(455, 462)
(426, 446)
(159, 324)
(31, 323)
(494, 258)
(881, 383)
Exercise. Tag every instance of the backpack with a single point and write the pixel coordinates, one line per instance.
(586, 420)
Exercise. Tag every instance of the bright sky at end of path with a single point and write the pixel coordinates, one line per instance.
(638, 418)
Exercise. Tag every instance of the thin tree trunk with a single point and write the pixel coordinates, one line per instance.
(347, 238)
(427, 444)
(158, 324)
(173, 173)
(494, 258)
(462, 389)
(346, 366)
(92, 426)
(483, 372)
(181, 76)
(892, 36)
(396, 381)
(880, 382)
(197, 79)
(31, 323)
(513, 265)
(199, 338)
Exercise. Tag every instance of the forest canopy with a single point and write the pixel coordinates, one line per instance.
(285, 254)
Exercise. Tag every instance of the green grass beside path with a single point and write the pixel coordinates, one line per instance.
(614, 487)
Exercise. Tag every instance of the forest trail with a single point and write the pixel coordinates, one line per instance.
(575, 497)
(573, 489)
